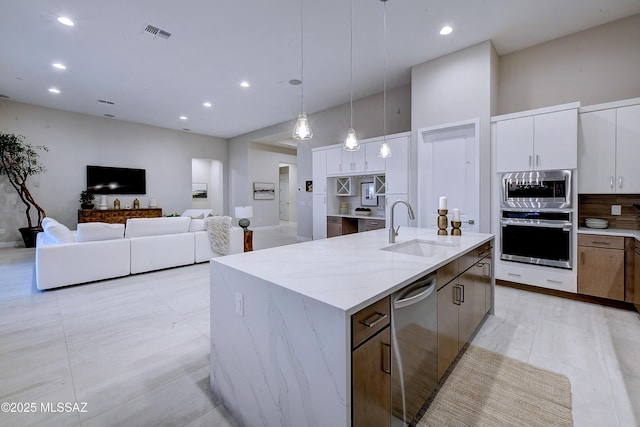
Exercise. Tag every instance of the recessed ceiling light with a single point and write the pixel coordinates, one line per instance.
(59, 66)
(207, 104)
(446, 30)
(245, 84)
(183, 117)
(66, 21)
(54, 90)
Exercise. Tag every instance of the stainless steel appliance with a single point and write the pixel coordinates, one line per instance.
(414, 372)
(536, 189)
(537, 237)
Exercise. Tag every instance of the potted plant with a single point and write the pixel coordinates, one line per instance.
(19, 161)
(86, 199)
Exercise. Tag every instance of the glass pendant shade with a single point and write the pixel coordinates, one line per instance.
(302, 131)
(351, 141)
(385, 150)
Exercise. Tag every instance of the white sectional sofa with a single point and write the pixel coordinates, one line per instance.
(98, 251)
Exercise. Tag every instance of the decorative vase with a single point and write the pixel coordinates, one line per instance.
(136, 204)
(116, 204)
(29, 236)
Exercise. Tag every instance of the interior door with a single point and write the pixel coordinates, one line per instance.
(448, 166)
(284, 195)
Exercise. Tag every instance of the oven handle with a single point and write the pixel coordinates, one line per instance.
(543, 224)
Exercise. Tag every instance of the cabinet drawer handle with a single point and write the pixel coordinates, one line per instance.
(610, 182)
(386, 358)
(462, 286)
(557, 282)
(595, 242)
(514, 274)
(457, 295)
(537, 160)
(373, 223)
(620, 182)
(486, 270)
(371, 321)
(529, 161)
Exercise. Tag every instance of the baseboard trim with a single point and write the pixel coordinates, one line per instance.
(16, 244)
(568, 295)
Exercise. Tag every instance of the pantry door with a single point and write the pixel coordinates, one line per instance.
(448, 165)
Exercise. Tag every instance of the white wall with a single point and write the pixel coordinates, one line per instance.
(593, 66)
(264, 166)
(76, 140)
(209, 172)
(329, 127)
(454, 88)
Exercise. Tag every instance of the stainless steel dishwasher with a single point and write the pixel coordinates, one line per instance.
(414, 371)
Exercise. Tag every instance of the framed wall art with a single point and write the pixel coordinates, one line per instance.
(264, 191)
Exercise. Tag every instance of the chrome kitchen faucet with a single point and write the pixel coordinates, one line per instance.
(393, 232)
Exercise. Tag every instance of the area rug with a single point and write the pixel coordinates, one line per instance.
(488, 389)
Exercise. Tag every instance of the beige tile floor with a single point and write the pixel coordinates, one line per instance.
(136, 349)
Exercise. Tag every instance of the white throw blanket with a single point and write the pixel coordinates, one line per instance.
(219, 229)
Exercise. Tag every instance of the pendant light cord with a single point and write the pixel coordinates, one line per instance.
(384, 90)
(301, 57)
(351, 66)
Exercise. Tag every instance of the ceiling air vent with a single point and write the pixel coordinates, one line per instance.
(104, 101)
(157, 32)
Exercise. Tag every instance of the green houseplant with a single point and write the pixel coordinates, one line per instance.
(86, 199)
(19, 161)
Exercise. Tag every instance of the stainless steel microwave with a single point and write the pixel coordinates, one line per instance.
(536, 189)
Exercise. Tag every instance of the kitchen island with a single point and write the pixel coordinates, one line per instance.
(281, 320)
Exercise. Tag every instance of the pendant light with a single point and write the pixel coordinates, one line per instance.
(351, 141)
(302, 130)
(385, 149)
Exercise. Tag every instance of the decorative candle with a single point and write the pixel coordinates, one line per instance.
(443, 203)
(456, 214)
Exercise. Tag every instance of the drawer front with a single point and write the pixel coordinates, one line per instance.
(374, 224)
(370, 320)
(446, 273)
(599, 241)
(483, 251)
(334, 220)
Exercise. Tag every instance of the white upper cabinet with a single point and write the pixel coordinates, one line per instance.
(609, 151)
(545, 141)
(341, 162)
(334, 161)
(628, 149)
(597, 152)
(397, 166)
(319, 172)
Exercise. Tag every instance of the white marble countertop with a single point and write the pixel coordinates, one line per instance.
(350, 272)
(611, 232)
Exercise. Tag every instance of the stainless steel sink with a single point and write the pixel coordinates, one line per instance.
(419, 247)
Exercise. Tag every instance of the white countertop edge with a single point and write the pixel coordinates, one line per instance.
(621, 232)
(379, 218)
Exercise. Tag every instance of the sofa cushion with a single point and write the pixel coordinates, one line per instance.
(197, 213)
(94, 231)
(196, 225)
(58, 233)
(141, 227)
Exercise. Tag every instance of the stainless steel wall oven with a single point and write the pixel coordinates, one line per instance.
(537, 237)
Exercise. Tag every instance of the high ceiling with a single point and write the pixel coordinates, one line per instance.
(216, 44)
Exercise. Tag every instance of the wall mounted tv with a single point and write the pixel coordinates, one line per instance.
(109, 180)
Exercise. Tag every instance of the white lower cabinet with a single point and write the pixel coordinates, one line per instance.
(319, 216)
(544, 277)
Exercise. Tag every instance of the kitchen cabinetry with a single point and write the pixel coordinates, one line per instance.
(364, 160)
(462, 302)
(319, 172)
(545, 141)
(370, 224)
(371, 365)
(636, 261)
(608, 150)
(601, 266)
(339, 226)
(319, 216)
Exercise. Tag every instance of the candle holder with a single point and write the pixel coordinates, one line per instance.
(442, 222)
(455, 228)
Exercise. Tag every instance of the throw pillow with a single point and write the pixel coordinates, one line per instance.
(59, 233)
(94, 231)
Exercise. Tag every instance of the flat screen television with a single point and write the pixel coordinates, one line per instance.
(110, 180)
